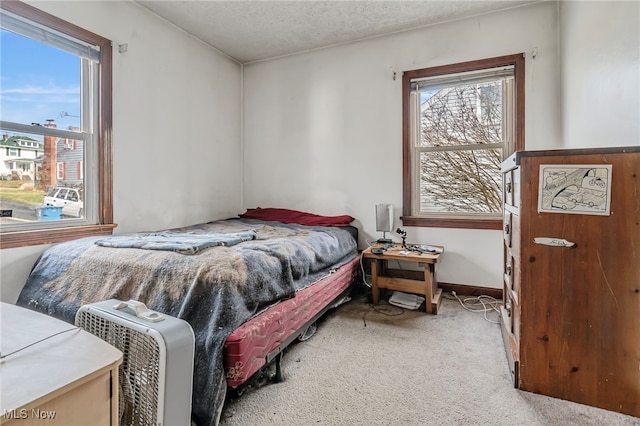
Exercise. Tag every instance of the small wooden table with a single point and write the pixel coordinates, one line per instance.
(418, 282)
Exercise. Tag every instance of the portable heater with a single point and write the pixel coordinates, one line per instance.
(158, 353)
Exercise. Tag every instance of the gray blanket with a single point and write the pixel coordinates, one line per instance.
(180, 242)
(215, 289)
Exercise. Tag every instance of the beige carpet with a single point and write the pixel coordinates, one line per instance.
(387, 366)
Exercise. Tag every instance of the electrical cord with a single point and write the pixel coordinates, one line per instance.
(488, 304)
(364, 275)
(388, 310)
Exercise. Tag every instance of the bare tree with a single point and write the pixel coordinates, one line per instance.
(459, 173)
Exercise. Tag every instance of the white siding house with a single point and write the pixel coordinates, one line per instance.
(18, 156)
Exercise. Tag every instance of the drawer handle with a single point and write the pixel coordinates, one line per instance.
(555, 242)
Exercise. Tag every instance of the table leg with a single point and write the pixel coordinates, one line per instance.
(428, 279)
(375, 291)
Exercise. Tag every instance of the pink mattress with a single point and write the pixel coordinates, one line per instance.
(247, 347)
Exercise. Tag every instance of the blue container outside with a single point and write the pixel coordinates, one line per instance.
(48, 213)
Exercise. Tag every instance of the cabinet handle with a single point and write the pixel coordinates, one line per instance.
(508, 186)
(554, 242)
(507, 306)
(508, 269)
(506, 228)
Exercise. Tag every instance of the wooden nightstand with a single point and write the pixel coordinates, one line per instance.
(423, 282)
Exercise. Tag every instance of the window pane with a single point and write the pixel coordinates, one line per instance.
(457, 175)
(59, 73)
(466, 181)
(33, 167)
(48, 88)
(43, 174)
(461, 115)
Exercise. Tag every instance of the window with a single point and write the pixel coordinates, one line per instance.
(60, 171)
(459, 123)
(69, 144)
(56, 134)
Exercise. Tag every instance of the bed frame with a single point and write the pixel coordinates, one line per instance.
(259, 342)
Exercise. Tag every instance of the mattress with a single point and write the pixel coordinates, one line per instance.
(248, 346)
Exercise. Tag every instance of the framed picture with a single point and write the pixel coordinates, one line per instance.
(575, 189)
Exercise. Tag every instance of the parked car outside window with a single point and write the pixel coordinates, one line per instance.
(67, 198)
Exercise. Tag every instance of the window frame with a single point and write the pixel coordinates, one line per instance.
(453, 221)
(104, 128)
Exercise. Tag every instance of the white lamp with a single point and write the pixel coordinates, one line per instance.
(384, 221)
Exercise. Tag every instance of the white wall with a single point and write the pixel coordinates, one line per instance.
(322, 130)
(176, 127)
(601, 73)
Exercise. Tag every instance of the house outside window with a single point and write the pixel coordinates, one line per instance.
(459, 123)
(56, 134)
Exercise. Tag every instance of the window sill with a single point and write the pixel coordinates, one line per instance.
(50, 236)
(441, 222)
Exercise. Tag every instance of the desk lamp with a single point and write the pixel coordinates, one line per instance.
(384, 221)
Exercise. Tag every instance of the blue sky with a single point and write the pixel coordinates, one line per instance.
(38, 82)
(427, 94)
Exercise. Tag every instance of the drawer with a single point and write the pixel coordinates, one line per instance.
(515, 242)
(515, 277)
(515, 175)
(507, 188)
(511, 343)
(511, 188)
(512, 309)
(508, 271)
(512, 272)
(515, 319)
(507, 228)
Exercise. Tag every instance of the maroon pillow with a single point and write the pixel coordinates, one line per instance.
(294, 216)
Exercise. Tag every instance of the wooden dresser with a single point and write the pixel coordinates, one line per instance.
(53, 373)
(571, 314)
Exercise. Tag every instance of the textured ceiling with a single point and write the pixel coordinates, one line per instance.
(250, 31)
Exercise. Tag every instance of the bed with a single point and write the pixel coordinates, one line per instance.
(248, 286)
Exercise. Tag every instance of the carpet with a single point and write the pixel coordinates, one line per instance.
(384, 365)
